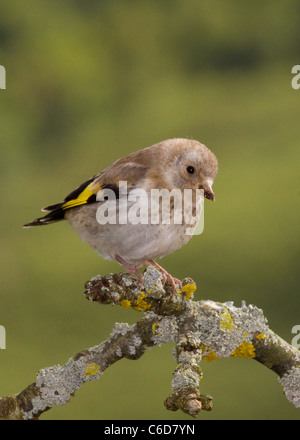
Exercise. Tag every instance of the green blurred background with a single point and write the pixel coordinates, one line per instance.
(89, 81)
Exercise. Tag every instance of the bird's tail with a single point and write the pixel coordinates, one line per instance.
(55, 214)
(85, 193)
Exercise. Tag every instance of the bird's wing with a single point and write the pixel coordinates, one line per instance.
(132, 173)
(87, 192)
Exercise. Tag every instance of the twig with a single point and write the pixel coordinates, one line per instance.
(201, 330)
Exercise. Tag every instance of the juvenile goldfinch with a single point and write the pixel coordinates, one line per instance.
(112, 210)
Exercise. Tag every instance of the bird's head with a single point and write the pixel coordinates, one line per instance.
(190, 164)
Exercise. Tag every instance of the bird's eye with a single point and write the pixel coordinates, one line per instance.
(190, 169)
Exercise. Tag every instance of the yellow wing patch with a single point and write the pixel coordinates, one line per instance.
(83, 197)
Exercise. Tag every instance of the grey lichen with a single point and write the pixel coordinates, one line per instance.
(164, 329)
(121, 328)
(223, 327)
(291, 385)
(135, 343)
(119, 352)
(185, 376)
(204, 329)
(153, 283)
(57, 385)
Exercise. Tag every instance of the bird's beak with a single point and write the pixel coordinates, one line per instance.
(208, 192)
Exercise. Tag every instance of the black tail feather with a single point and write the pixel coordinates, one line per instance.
(57, 212)
(53, 207)
(54, 216)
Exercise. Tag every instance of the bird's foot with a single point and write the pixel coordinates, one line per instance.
(166, 276)
(132, 269)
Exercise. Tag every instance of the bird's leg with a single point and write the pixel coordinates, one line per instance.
(130, 268)
(134, 269)
(166, 276)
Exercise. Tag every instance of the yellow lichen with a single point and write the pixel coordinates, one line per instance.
(261, 336)
(210, 356)
(92, 370)
(226, 322)
(246, 351)
(156, 324)
(189, 290)
(125, 303)
(142, 305)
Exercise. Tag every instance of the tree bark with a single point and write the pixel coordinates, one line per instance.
(200, 329)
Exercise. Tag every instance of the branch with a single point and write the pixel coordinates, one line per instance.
(200, 329)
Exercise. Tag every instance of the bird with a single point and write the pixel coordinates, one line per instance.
(97, 209)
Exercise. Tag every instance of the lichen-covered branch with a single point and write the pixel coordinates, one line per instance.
(200, 329)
